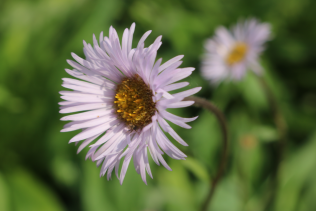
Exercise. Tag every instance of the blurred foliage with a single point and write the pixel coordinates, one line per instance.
(39, 170)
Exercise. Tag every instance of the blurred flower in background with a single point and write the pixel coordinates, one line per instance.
(39, 171)
(230, 53)
(125, 97)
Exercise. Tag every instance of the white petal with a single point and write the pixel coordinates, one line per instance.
(68, 103)
(146, 161)
(143, 38)
(172, 118)
(170, 62)
(124, 169)
(142, 168)
(86, 142)
(187, 93)
(161, 159)
(104, 94)
(87, 115)
(167, 128)
(125, 40)
(82, 107)
(131, 36)
(109, 145)
(88, 99)
(82, 76)
(108, 135)
(81, 83)
(87, 124)
(83, 89)
(153, 151)
(175, 86)
(168, 147)
(181, 104)
(89, 132)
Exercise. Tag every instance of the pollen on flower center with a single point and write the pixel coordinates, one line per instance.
(237, 53)
(133, 102)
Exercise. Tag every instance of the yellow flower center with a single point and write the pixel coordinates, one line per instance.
(237, 53)
(133, 102)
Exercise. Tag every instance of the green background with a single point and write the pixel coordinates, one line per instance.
(40, 171)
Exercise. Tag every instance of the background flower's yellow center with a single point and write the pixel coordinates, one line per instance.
(133, 102)
(237, 53)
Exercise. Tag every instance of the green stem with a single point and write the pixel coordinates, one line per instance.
(200, 102)
(282, 131)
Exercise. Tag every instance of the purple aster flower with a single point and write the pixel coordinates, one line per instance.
(122, 95)
(230, 53)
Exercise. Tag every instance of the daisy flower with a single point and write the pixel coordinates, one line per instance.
(230, 53)
(121, 99)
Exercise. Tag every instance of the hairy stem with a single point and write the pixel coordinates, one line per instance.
(200, 102)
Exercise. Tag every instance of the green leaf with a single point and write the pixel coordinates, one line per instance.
(265, 133)
(205, 138)
(196, 168)
(253, 93)
(227, 196)
(176, 187)
(294, 173)
(94, 189)
(4, 194)
(308, 199)
(30, 194)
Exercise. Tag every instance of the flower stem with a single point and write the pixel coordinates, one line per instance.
(282, 131)
(200, 102)
(276, 113)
